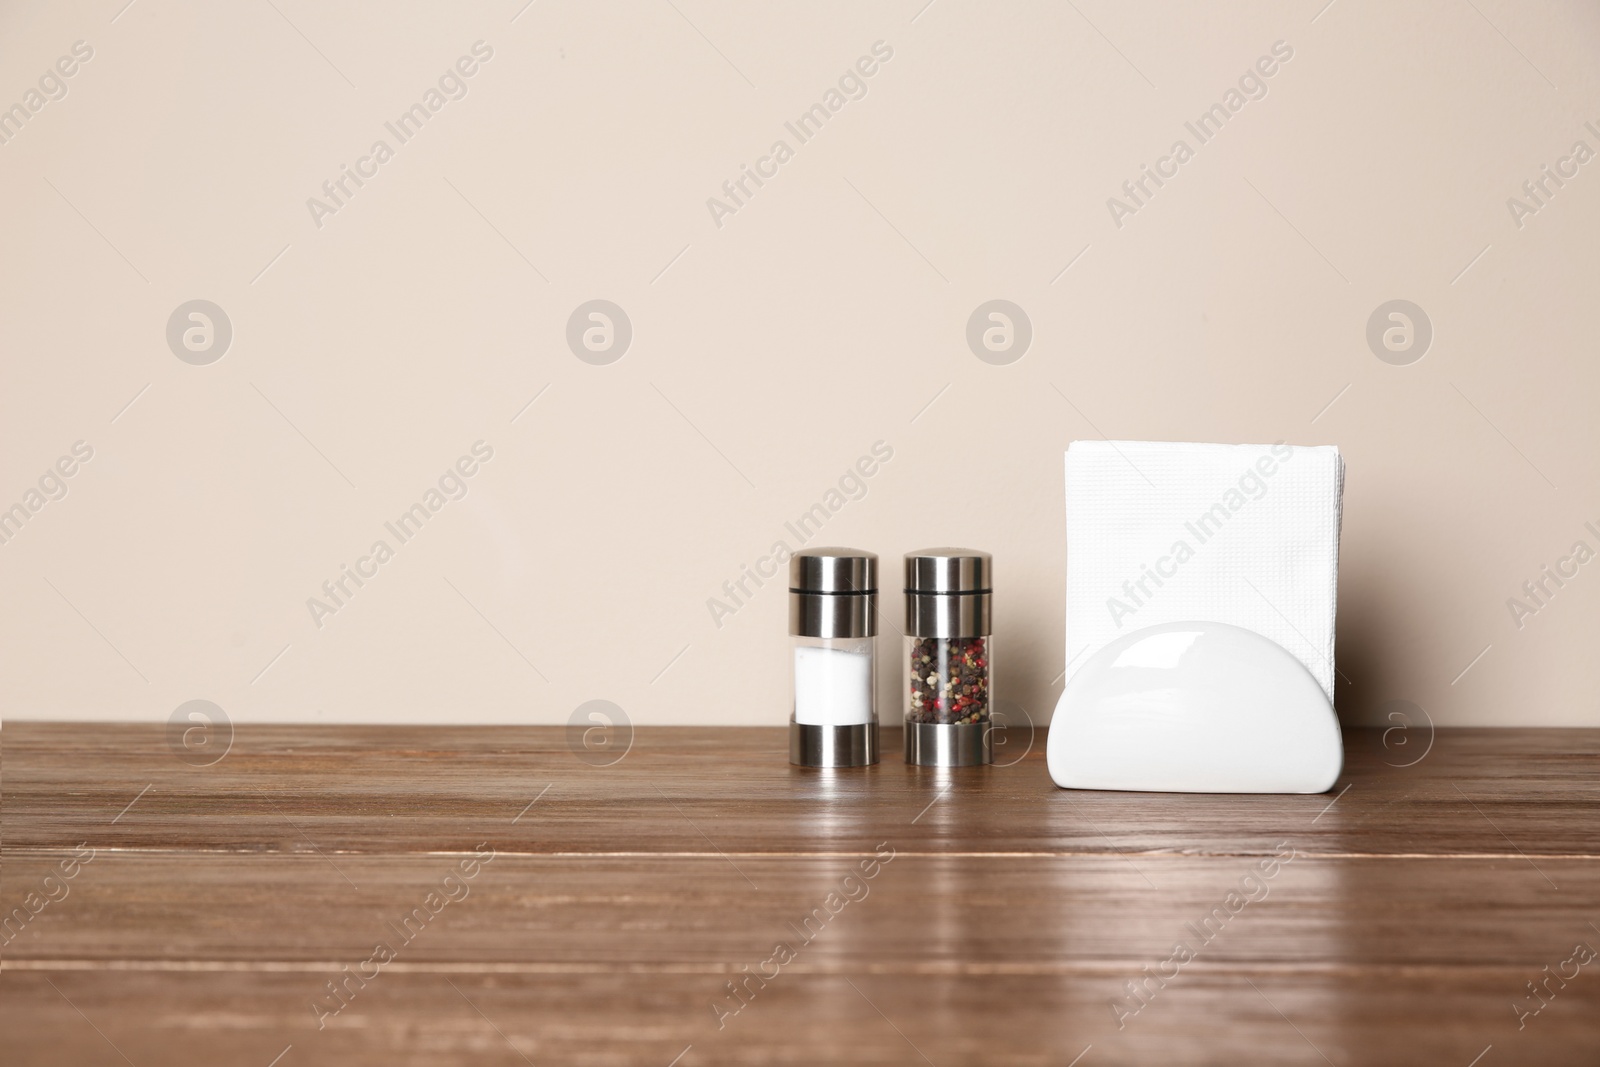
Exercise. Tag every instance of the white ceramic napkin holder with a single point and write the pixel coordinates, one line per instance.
(1194, 707)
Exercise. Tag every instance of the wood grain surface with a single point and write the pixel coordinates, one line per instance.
(491, 895)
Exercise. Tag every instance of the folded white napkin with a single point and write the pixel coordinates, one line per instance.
(1168, 532)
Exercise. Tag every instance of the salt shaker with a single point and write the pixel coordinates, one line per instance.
(949, 657)
(833, 619)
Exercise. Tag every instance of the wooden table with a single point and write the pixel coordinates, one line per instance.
(395, 895)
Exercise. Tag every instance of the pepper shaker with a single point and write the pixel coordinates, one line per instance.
(833, 620)
(949, 657)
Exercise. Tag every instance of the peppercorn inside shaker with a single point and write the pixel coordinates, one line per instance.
(833, 621)
(949, 657)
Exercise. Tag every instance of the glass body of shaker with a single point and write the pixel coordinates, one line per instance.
(948, 679)
(834, 681)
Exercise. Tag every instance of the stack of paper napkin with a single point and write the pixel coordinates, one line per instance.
(1163, 532)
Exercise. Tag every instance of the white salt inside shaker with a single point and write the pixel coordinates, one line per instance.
(833, 685)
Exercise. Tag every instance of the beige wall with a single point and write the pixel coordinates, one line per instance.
(372, 346)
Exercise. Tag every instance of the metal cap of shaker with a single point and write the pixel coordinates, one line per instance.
(949, 593)
(833, 592)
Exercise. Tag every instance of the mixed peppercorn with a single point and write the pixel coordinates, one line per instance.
(949, 680)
